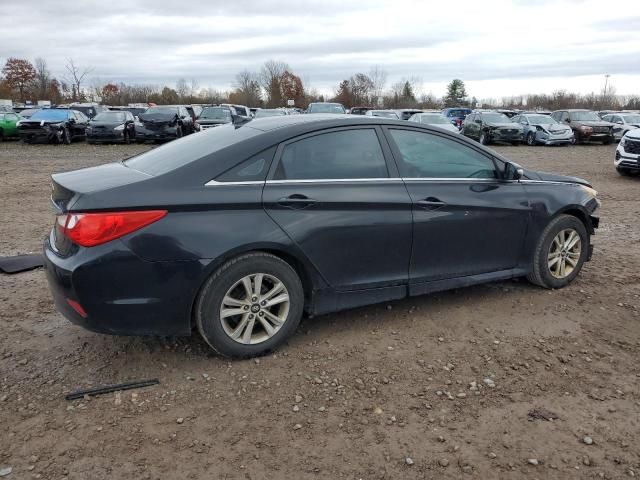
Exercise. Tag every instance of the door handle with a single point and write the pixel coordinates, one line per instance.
(296, 200)
(430, 203)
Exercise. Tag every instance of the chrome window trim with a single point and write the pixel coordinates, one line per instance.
(215, 183)
(335, 180)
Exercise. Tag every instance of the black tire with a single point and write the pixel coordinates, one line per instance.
(179, 132)
(66, 137)
(531, 139)
(209, 302)
(541, 274)
(515, 144)
(607, 141)
(1, 136)
(483, 139)
(91, 142)
(127, 139)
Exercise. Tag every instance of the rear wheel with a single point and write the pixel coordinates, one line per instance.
(560, 253)
(531, 139)
(250, 305)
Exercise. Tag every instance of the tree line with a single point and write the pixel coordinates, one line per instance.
(271, 86)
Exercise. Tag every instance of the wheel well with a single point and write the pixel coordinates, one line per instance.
(580, 215)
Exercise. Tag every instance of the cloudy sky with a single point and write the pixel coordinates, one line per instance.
(498, 48)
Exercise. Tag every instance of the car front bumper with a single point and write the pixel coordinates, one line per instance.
(105, 136)
(120, 293)
(159, 133)
(39, 135)
(628, 161)
(554, 139)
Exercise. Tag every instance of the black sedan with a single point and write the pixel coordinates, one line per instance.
(164, 122)
(113, 127)
(238, 230)
(53, 125)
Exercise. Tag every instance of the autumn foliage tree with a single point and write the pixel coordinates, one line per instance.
(19, 73)
(292, 88)
(109, 93)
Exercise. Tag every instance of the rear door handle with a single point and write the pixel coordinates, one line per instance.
(296, 200)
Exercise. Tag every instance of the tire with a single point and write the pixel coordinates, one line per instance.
(484, 140)
(515, 144)
(576, 139)
(126, 140)
(607, 141)
(531, 139)
(227, 282)
(546, 275)
(66, 137)
(1, 136)
(179, 132)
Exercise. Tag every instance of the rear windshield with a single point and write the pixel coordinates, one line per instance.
(188, 149)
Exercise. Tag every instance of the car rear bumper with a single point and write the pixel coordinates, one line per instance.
(120, 293)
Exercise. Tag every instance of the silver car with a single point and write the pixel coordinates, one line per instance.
(623, 122)
(543, 129)
(382, 113)
(434, 119)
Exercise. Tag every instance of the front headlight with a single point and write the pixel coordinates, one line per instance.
(623, 142)
(592, 192)
(119, 128)
(18, 123)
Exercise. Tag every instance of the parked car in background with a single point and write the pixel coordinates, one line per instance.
(270, 112)
(491, 127)
(53, 125)
(543, 129)
(405, 113)
(627, 159)
(90, 110)
(240, 110)
(164, 122)
(622, 122)
(8, 128)
(434, 119)
(587, 126)
(135, 111)
(215, 116)
(326, 107)
(359, 110)
(383, 114)
(26, 112)
(508, 113)
(241, 229)
(456, 115)
(111, 127)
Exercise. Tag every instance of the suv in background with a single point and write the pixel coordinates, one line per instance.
(489, 127)
(586, 125)
(623, 122)
(359, 110)
(89, 109)
(456, 115)
(326, 107)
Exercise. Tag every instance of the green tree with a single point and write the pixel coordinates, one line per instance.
(456, 93)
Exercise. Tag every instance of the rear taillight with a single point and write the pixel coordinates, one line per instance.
(91, 229)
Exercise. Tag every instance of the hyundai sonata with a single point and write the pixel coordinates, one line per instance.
(238, 231)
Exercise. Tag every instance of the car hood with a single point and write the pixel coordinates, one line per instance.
(157, 117)
(633, 134)
(556, 127)
(554, 177)
(212, 121)
(504, 125)
(592, 123)
(105, 124)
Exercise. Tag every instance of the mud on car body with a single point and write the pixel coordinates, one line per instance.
(53, 125)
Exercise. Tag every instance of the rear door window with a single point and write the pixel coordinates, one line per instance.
(345, 154)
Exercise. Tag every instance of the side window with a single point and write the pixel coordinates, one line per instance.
(564, 116)
(424, 155)
(335, 155)
(253, 169)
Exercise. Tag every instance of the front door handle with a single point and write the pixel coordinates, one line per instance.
(296, 200)
(430, 203)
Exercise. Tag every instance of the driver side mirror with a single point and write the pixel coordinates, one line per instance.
(513, 171)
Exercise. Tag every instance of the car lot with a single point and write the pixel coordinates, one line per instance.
(354, 394)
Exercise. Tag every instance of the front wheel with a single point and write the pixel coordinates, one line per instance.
(250, 305)
(66, 137)
(560, 253)
(607, 141)
(484, 139)
(531, 139)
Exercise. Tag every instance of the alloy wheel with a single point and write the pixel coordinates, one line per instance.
(254, 308)
(564, 253)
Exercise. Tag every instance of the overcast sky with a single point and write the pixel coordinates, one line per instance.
(497, 47)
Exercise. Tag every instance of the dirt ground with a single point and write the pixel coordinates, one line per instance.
(497, 381)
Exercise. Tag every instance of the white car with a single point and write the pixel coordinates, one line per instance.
(434, 120)
(627, 159)
(623, 122)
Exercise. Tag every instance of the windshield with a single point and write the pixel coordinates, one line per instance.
(385, 114)
(326, 108)
(110, 117)
(268, 113)
(495, 118)
(458, 113)
(169, 110)
(51, 115)
(542, 120)
(216, 114)
(178, 153)
(585, 117)
(434, 119)
(631, 118)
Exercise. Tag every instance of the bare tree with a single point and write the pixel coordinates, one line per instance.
(182, 89)
(75, 76)
(247, 88)
(378, 77)
(193, 89)
(43, 77)
(270, 79)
